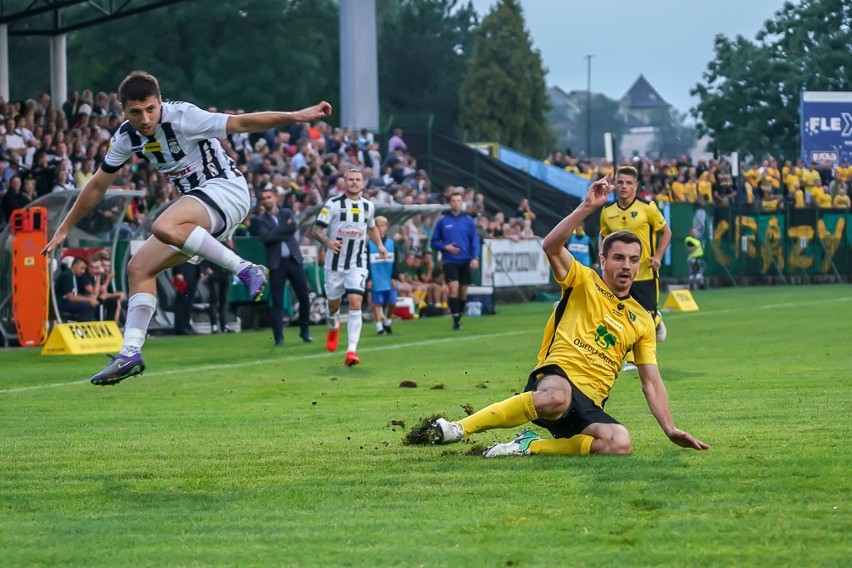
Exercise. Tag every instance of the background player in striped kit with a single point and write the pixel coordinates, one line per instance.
(181, 141)
(343, 225)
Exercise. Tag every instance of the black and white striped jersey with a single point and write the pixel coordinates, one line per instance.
(347, 222)
(184, 146)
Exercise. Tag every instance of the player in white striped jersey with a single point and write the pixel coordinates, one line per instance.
(342, 226)
(182, 141)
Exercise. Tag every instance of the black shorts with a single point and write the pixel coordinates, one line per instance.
(646, 293)
(581, 413)
(457, 273)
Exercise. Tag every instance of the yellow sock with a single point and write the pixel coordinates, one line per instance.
(579, 445)
(511, 412)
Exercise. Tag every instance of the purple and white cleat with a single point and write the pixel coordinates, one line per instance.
(120, 367)
(254, 277)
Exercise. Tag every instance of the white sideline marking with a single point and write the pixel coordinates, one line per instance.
(279, 359)
(755, 308)
(427, 342)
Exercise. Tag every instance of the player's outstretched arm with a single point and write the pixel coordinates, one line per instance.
(554, 243)
(658, 401)
(91, 194)
(260, 121)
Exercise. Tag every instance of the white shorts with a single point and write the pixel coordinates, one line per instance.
(227, 201)
(339, 282)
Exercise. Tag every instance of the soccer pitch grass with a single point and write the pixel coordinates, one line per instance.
(229, 451)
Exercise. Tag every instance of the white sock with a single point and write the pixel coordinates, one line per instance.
(201, 243)
(333, 319)
(386, 323)
(140, 310)
(380, 327)
(353, 329)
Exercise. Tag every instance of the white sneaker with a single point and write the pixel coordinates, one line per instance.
(661, 331)
(446, 432)
(628, 366)
(520, 446)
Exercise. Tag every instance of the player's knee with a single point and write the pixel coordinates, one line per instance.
(550, 404)
(620, 443)
(166, 233)
(136, 269)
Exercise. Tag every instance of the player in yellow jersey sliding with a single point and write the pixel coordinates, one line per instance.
(591, 329)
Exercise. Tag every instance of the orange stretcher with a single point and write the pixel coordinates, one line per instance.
(30, 275)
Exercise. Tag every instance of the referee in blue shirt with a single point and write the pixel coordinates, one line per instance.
(456, 237)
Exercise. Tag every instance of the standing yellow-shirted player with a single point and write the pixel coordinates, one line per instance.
(591, 329)
(643, 219)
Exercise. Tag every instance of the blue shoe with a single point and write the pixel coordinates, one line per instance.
(254, 277)
(120, 367)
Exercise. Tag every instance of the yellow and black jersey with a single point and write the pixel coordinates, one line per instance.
(591, 330)
(643, 219)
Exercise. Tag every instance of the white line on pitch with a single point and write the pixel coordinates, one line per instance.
(285, 359)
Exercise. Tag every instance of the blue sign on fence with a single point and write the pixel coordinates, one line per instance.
(826, 126)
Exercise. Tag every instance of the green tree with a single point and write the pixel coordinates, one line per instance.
(423, 50)
(749, 100)
(252, 54)
(504, 96)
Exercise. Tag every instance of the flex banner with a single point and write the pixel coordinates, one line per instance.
(83, 338)
(508, 263)
(797, 241)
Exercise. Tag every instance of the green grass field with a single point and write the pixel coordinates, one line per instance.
(229, 451)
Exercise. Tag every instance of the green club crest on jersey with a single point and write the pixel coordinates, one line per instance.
(603, 337)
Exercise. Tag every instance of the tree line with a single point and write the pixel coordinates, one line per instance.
(482, 77)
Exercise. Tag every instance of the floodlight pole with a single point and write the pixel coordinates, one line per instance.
(589, 106)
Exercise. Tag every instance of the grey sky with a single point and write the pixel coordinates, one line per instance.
(668, 41)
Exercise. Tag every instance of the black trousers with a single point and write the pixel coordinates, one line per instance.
(290, 270)
(219, 282)
(183, 301)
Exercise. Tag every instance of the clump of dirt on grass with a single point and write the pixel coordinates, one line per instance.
(398, 423)
(407, 384)
(475, 450)
(419, 435)
(468, 409)
(439, 386)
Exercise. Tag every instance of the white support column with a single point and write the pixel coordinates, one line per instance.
(359, 68)
(4, 61)
(58, 71)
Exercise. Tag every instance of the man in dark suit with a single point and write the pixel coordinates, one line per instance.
(279, 230)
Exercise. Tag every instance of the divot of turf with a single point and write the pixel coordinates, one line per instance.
(419, 435)
(408, 385)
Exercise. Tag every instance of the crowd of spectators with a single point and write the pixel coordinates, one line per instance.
(763, 186)
(46, 148)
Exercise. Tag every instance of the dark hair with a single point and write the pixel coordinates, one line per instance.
(621, 237)
(138, 86)
(79, 259)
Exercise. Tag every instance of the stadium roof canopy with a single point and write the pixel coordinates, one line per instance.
(55, 18)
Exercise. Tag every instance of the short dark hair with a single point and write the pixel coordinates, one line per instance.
(78, 259)
(621, 237)
(138, 86)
